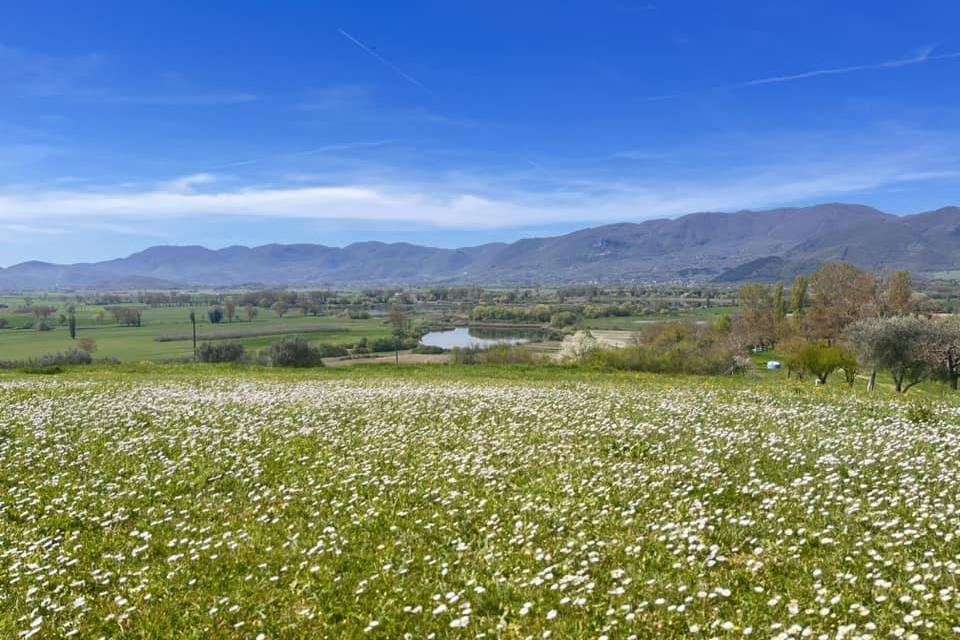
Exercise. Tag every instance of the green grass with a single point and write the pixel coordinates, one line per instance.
(132, 344)
(236, 502)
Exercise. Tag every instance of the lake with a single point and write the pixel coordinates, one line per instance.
(478, 338)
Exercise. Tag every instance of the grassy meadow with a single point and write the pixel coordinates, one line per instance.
(165, 333)
(448, 502)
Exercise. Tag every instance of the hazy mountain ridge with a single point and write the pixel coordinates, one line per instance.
(746, 245)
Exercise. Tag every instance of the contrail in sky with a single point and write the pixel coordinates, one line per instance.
(920, 58)
(341, 146)
(403, 74)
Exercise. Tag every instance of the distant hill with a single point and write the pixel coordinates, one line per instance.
(725, 247)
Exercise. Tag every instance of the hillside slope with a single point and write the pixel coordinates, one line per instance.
(746, 245)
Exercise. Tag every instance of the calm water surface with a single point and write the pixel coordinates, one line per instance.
(478, 338)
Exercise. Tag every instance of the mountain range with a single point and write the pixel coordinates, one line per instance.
(711, 246)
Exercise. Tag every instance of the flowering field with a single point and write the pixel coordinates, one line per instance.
(239, 508)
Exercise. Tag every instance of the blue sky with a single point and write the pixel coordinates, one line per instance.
(124, 125)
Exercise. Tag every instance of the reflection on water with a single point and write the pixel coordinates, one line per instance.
(478, 338)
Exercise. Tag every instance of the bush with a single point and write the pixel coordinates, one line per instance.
(507, 354)
(390, 344)
(464, 355)
(563, 319)
(920, 412)
(68, 357)
(41, 371)
(220, 352)
(294, 352)
(332, 350)
(428, 349)
(497, 354)
(50, 361)
(671, 348)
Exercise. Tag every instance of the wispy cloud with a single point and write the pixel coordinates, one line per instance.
(482, 202)
(17, 155)
(403, 74)
(294, 155)
(924, 55)
(91, 78)
(198, 99)
(188, 184)
(360, 104)
(33, 230)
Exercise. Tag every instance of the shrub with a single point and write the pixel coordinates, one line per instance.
(578, 346)
(51, 360)
(428, 349)
(68, 357)
(41, 371)
(295, 352)
(390, 344)
(563, 319)
(919, 412)
(507, 354)
(464, 355)
(332, 350)
(670, 348)
(220, 352)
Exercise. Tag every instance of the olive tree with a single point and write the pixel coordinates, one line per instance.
(899, 345)
(943, 349)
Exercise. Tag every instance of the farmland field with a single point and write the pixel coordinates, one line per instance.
(165, 333)
(474, 502)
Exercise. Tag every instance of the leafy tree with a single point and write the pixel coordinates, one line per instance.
(755, 325)
(723, 325)
(798, 298)
(842, 294)
(943, 349)
(230, 309)
(898, 344)
(215, 314)
(821, 360)
(73, 326)
(126, 315)
(398, 318)
(899, 294)
(87, 344)
(280, 308)
(252, 312)
(779, 306)
(42, 311)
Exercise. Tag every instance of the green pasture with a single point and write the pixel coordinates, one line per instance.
(165, 333)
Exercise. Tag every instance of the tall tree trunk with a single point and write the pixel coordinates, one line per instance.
(873, 381)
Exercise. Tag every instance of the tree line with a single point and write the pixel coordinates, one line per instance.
(843, 319)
